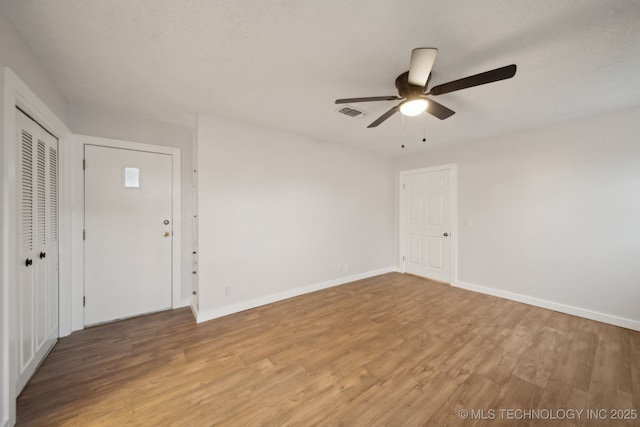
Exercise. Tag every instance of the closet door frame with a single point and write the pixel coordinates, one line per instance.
(15, 93)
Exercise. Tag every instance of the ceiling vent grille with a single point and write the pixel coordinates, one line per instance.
(351, 112)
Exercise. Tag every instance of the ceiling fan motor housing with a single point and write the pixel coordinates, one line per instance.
(407, 90)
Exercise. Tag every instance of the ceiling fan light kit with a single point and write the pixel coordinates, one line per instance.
(413, 107)
(412, 87)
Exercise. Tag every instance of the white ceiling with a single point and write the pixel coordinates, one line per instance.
(282, 63)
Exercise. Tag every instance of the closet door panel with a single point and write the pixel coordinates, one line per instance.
(41, 285)
(52, 248)
(26, 249)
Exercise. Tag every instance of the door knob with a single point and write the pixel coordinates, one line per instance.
(446, 234)
(43, 254)
(28, 262)
(166, 234)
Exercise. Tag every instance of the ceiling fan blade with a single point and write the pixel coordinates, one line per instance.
(422, 60)
(439, 110)
(475, 80)
(368, 99)
(384, 117)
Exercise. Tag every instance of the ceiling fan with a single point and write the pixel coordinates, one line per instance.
(412, 87)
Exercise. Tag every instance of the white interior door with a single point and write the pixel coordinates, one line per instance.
(128, 233)
(427, 224)
(37, 284)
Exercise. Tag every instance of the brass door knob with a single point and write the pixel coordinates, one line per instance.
(166, 234)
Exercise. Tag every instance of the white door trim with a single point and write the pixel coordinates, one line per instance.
(16, 93)
(402, 209)
(174, 152)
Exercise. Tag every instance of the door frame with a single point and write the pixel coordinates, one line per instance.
(16, 93)
(453, 209)
(176, 207)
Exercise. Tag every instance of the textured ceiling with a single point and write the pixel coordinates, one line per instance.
(282, 63)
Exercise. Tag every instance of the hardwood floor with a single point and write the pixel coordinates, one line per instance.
(390, 350)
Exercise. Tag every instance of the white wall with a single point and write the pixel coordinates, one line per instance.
(555, 215)
(16, 55)
(281, 214)
(103, 123)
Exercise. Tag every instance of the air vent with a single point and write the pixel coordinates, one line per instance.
(351, 112)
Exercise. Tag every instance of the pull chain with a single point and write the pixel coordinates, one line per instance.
(403, 132)
(424, 128)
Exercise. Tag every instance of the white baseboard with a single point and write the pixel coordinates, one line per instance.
(562, 308)
(194, 311)
(182, 303)
(257, 302)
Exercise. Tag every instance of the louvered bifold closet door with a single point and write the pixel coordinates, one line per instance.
(37, 285)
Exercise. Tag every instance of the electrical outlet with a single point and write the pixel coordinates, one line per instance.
(345, 267)
(227, 290)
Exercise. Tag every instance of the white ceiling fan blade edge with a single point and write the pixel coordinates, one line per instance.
(422, 60)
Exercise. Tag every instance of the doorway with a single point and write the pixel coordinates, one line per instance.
(128, 233)
(427, 222)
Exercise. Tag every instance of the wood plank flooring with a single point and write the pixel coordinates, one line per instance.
(391, 350)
